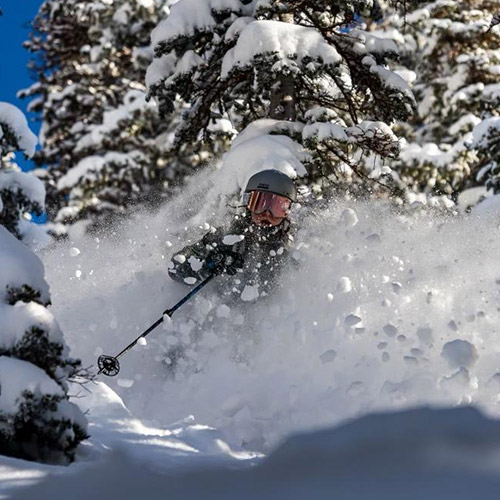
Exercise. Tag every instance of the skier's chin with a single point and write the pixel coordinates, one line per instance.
(266, 222)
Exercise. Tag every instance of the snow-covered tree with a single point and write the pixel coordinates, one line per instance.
(105, 147)
(37, 421)
(486, 143)
(292, 64)
(20, 194)
(58, 42)
(457, 59)
(486, 134)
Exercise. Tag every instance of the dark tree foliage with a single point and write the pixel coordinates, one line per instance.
(455, 56)
(16, 200)
(353, 88)
(105, 149)
(35, 432)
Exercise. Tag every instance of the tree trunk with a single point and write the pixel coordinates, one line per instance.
(283, 91)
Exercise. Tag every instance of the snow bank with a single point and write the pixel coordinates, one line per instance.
(445, 454)
(115, 431)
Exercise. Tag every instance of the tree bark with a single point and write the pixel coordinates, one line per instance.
(283, 91)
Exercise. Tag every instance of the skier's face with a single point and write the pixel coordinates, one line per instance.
(268, 209)
(267, 219)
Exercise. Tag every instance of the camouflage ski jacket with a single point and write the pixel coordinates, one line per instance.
(264, 250)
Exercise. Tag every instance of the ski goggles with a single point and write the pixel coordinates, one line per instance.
(263, 201)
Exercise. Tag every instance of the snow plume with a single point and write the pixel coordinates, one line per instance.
(376, 311)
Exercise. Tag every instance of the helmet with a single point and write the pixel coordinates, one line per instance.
(272, 181)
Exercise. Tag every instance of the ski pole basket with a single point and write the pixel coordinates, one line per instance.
(110, 366)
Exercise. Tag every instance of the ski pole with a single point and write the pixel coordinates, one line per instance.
(110, 366)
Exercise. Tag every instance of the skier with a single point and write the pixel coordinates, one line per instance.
(251, 251)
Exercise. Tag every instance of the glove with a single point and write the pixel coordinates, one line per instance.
(223, 261)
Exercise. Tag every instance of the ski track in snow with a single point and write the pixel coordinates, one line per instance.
(368, 318)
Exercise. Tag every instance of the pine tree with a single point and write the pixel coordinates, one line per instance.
(486, 143)
(59, 43)
(293, 63)
(105, 147)
(456, 59)
(20, 194)
(37, 421)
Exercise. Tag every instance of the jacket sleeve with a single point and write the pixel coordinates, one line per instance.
(187, 265)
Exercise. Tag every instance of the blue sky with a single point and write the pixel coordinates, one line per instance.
(14, 29)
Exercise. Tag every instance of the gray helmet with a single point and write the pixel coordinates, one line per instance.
(272, 181)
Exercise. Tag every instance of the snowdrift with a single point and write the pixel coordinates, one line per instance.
(115, 431)
(415, 454)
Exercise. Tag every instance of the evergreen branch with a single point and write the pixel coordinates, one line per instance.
(494, 21)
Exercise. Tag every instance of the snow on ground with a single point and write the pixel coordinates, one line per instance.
(116, 433)
(446, 454)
